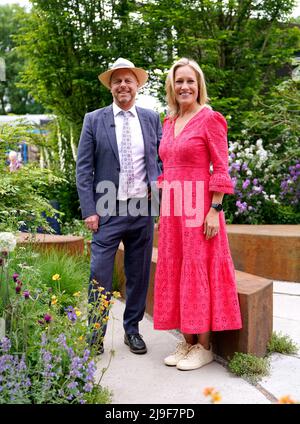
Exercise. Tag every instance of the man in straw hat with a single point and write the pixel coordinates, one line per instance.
(116, 165)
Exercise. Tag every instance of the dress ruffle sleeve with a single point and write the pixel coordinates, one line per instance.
(216, 129)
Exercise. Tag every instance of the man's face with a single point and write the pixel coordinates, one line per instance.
(123, 87)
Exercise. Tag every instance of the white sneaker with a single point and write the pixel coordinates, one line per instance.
(181, 350)
(196, 357)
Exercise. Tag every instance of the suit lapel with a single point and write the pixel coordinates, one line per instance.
(144, 121)
(109, 125)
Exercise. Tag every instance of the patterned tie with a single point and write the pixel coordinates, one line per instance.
(127, 173)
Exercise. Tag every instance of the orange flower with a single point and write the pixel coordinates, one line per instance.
(286, 400)
(97, 325)
(208, 391)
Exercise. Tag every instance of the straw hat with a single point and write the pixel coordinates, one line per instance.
(121, 63)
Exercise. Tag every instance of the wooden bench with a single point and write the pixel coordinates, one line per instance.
(70, 244)
(271, 251)
(256, 302)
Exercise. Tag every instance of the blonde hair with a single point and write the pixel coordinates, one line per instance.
(202, 98)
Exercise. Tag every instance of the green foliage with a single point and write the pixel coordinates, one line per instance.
(249, 366)
(21, 199)
(77, 228)
(238, 45)
(73, 272)
(240, 48)
(12, 97)
(282, 343)
(46, 343)
(22, 192)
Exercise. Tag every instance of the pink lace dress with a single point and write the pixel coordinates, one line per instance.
(195, 288)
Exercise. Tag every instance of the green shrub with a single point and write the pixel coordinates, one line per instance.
(282, 344)
(249, 366)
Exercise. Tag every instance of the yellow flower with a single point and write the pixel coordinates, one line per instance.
(216, 397)
(286, 400)
(80, 338)
(97, 325)
(55, 277)
(77, 312)
(116, 294)
(77, 294)
(105, 319)
(54, 302)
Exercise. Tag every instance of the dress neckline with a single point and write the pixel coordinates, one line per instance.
(186, 125)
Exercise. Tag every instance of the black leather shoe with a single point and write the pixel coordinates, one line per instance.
(136, 343)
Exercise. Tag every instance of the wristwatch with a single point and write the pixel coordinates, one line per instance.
(217, 206)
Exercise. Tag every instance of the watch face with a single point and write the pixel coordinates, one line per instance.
(217, 206)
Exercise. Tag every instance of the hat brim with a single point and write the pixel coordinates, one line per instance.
(140, 74)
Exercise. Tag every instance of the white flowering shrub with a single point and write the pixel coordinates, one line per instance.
(264, 192)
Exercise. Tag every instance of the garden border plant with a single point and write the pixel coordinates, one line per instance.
(254, 368)
(45, 356)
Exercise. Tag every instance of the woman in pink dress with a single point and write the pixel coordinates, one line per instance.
(195, 288)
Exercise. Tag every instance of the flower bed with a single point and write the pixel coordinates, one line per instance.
(45, 356)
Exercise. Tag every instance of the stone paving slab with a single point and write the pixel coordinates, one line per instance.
(287, 288)
(284, 377)
(290, 327)
(286, 306)
(139, 379)
(144, 379)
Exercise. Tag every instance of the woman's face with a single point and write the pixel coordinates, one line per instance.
(186, 86)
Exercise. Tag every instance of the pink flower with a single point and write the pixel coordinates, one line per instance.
(26, 294)
(47, 318)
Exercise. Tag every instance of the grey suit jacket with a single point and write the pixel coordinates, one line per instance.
(98, 157)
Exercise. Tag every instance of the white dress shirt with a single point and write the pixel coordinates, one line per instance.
(138, 152)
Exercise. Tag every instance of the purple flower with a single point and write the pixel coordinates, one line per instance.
(5, 344)
(255, 181)
(47, 318)
(26, 294)
(236, 166)
(18, 289)
(15, 277)
(234, 181)
(244, 166)
(71, 313)
(245, 184)
(241, 206)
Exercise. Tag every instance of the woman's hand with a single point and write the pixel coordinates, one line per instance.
(211, 224)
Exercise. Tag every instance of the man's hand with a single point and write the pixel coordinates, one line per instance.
(92, 222)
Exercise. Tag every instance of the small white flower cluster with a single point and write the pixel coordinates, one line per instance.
(7, 242)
